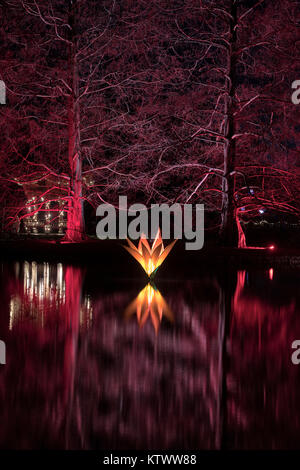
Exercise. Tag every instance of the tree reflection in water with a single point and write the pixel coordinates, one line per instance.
(216, 372)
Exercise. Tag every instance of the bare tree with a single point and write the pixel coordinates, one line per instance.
(235, 147)
(56, 73)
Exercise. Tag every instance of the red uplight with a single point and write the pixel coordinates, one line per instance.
(272, 247)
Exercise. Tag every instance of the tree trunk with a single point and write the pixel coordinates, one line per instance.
(75, 221)
(241, 235)
(228, 230)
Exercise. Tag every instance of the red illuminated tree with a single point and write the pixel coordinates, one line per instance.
(231, 124)
(58, 76)
(258, 122)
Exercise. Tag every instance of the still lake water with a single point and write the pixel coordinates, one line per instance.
(197, 364)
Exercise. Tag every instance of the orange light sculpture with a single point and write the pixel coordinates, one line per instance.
(149, 303)
(150, 258)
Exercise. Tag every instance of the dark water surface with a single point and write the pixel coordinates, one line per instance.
(199, 364)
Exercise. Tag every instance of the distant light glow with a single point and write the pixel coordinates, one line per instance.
(271, 274)
(261, 211)
(272, 247)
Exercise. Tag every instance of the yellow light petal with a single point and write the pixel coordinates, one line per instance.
(137, 256)
(144, 243)
(158, 241)
(132, 245)
(155, 255)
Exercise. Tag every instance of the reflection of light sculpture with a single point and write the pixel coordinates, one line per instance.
(151, 303)
(150, 258)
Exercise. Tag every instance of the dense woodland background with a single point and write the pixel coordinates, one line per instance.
(162, 101)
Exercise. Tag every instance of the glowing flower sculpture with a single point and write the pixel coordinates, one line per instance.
(149, 303)
(150, 258)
